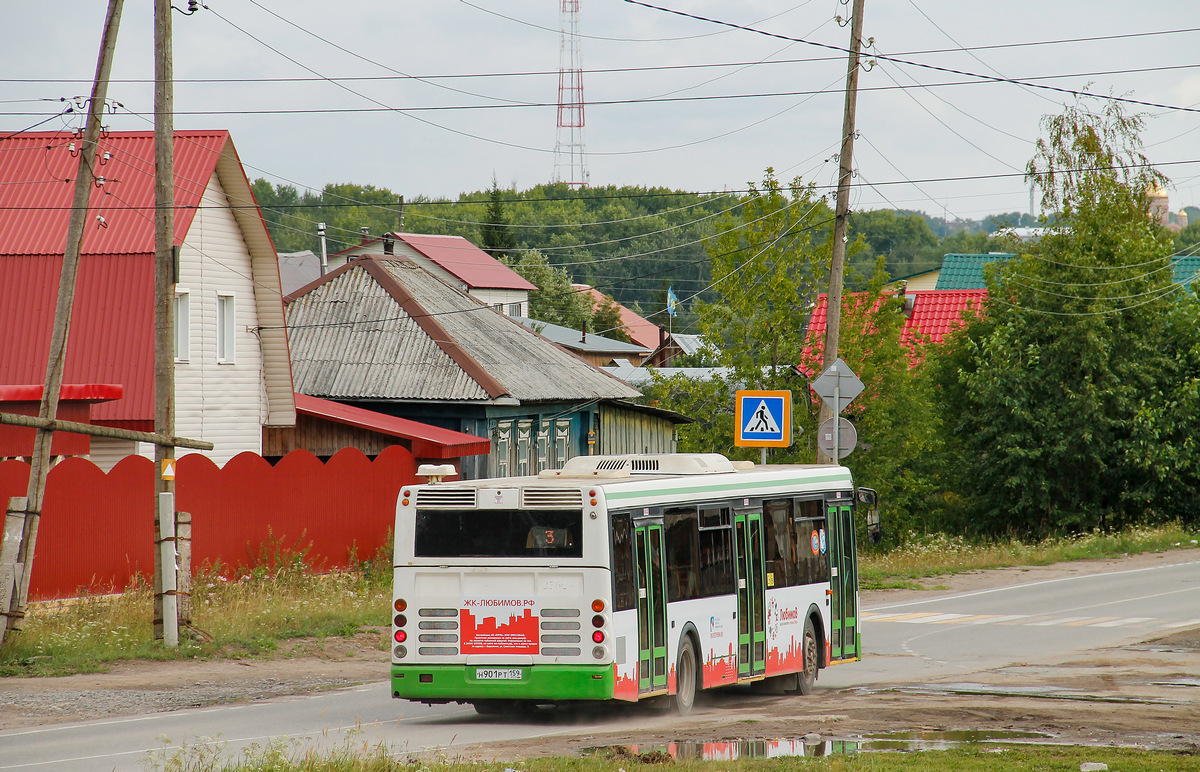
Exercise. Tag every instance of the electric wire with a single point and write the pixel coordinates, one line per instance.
(923, 65)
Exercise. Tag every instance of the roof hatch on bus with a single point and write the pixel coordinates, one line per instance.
(666, 463)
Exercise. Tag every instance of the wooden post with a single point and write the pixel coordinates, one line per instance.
(14, 526)
(12, 614)
(164, 281)
(833, 299)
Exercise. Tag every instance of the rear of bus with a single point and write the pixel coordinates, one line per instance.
(502, 592)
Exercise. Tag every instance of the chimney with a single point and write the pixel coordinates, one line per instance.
(366, 234)
(389, 242)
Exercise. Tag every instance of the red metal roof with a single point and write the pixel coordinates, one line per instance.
(468, 262)
(112, 327)
(461, 259)
(643, 331)
(37, 176)
(70, 392)
(936, 314)
(427, 441)
(112, 323)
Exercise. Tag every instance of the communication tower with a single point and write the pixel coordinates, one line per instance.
(568, 147)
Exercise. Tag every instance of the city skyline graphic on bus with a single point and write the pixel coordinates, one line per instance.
(518, 634)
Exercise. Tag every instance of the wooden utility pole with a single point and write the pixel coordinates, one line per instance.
(164, 308)
(14, 590)
(833, 299)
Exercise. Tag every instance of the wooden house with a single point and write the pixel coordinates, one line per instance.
(385, 334)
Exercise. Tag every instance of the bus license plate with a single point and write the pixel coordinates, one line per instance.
(498, 674)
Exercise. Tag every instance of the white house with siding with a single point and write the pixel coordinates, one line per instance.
(232, 368)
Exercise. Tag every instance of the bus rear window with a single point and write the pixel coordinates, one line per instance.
(498, 533)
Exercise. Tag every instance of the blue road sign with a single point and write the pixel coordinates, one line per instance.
(764, 419)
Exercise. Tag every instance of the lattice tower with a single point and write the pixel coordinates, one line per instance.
(569, 151)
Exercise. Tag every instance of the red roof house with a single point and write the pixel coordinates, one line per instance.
(935, 314)
(643, 331)
(233, 375)
(455, 261)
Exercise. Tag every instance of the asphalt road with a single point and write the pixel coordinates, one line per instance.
(905, 642)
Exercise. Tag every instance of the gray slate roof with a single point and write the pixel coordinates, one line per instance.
(386, 329)
(569, 338)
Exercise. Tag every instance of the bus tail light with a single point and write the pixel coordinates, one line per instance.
(597, 621)
(401, 636)
(400, 620)
(598, 605)
(400, 605)
(598, 636)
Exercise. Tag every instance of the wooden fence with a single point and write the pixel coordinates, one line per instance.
(97, 529)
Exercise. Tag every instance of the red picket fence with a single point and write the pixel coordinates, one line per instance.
(97, 529)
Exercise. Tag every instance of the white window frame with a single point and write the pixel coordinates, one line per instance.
(183, 325)
(226, 328)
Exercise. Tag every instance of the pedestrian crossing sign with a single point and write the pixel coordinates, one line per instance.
(763, 419)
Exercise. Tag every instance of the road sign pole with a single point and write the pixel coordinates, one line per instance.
(837, 424)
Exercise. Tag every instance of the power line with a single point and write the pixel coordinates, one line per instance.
(936, 68)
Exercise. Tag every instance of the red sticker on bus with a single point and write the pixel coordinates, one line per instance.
(816, 543)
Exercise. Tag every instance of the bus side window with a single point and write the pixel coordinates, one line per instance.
(683, 580)
(780, 543)
(625, 596)
(812, 564)
(716, 552)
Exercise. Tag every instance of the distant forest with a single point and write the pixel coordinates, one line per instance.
(630, 242)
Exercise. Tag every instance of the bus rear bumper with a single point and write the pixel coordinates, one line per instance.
(439, 683)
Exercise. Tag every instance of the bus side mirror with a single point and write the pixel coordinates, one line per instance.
(870, 499)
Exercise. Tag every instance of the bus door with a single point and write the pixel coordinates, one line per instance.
(843, 581)
(752, 631)
(652, 607)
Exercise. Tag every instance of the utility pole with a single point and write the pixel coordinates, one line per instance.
(166, 625)
(22, 521)
(833, 298)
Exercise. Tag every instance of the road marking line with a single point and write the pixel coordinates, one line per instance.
(1095, 620)
(972, 620)
(1002, 620)
(1188, 623)
(1123, 622)
(935, 619)
(1060, 621)
(903, 617)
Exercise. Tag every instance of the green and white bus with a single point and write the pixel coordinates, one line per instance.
(624, 578)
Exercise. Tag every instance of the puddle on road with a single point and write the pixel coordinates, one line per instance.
(1177, 682)
(810, 746)
(944, 740)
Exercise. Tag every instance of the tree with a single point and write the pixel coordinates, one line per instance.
(555, 300)
(1055, 396)
(494, 232)
(901, 238)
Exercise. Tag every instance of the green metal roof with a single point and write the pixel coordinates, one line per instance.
(964, 272)
(1187, 268)
(960, 272)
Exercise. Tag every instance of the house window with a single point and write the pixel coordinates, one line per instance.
(225, 328)
(183, 326)
(514, 309)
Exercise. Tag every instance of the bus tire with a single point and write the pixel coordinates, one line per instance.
(810, 658)
(490, 707)
(686, 678)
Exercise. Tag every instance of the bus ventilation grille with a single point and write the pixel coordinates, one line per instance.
(552, 497)
(446, 497)
(611, 463)
(643, 464)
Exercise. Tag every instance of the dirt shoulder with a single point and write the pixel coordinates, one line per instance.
(1145, 694)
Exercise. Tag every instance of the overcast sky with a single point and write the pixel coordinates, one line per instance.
(356, 132)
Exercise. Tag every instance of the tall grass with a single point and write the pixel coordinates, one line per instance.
(239, 610)
(926, 555)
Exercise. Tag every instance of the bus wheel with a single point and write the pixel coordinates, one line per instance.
(808, 677)
(685, 678)
(490, 707)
